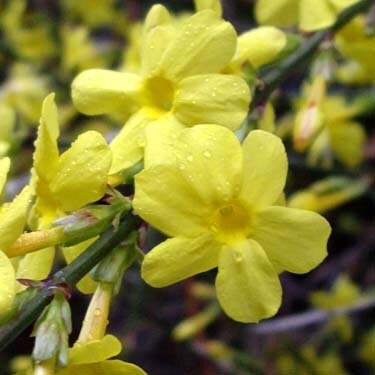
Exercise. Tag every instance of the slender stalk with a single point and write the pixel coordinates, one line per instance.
(70, 275)
(96, 319)
(272, 79)
(33, 241)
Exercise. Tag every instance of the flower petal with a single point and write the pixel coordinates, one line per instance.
(98, 91)
(86, 285)
(166, 200)
(348, 142)
(13, 218)
(294, 240)
(247, 285)
(204, 170)
(212, 99)
(158, 34)
(82, 172)
(210, 158)
(214, 5)
(46, 152)
(265, 168)
(127, 146)
(4, 169)
(179, 258)
(161, 139)
(35, 266)
(113, 367)
(319, 16)
(7, 284)
(259, 46)
(283, 13)
(95, 351)
(195, 48)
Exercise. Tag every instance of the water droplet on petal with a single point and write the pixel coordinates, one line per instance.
(207, 154)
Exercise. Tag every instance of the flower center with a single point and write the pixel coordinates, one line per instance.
(160, 93)
(230, 222)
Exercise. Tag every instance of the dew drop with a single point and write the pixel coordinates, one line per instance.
(237, 257)
(207, 154)
(97, 312)
(190, 157)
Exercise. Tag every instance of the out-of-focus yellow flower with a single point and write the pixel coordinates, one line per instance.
(12, 222)
(24, 90)
(309, 16)
(355, 44)
(78, 51)
(95, 13)
(62, 183)
(309, 362)
(195, 324)
(29, 41)
(255, 48)
(222, 214)
(328, 194)
(8, 120)
(367, 348)
(324, 126)
(180, 83)
(344, 293)
(94, 358)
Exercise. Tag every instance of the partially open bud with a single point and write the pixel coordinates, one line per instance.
(190, 327)
(310, 119)
(328, 193)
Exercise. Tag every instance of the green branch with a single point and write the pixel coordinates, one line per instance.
(70, 275)
(273, 79)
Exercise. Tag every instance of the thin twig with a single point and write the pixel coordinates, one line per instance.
(312, 317)
(273, 78)
(70, 275)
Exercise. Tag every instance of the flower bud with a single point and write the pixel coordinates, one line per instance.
(51, 332)
(192, 326)
(310, 119)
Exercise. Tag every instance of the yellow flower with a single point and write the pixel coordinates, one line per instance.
(62, 183)
(307, 15)
(309, 362)
(180, 82)
(94, 13)
(255, 47)
(8, 121)
(93, 358)
(367, 348)
(327, 194)
(24, 90)
(324, 125)
(217, 200)
(354, 44)
(344, 293)
(78, 51)
(12, 222)
(31, 41)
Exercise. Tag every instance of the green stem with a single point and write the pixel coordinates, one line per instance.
(70, 275)
(272, 79)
